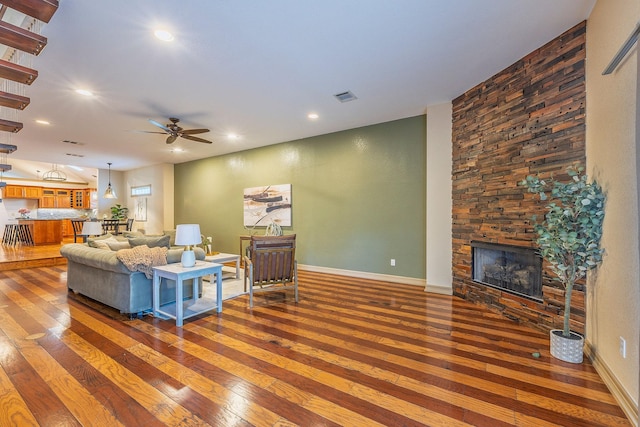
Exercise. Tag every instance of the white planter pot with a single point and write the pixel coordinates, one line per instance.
(569, 349)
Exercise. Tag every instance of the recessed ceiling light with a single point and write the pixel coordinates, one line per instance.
(84, 92)
(163, 35)
(177, 150)
(313, 116)
(233, 136)
(43, 122)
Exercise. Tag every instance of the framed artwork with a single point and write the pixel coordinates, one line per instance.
(264, 205)
(141, 209)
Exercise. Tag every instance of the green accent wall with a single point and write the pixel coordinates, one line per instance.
(358, 196)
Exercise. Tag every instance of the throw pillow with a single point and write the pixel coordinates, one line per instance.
(172, 236)
(102, 243)
(152, 242)
(91, 240)
(116, 246)
(128, 234)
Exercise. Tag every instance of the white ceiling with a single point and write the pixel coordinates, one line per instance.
(257, 68)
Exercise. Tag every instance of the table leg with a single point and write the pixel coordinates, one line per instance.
(156, 293)
(219, 290)
(179, 305)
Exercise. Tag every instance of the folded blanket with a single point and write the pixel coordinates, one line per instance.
(143, 258)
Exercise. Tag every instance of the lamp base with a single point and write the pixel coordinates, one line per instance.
(188, 259)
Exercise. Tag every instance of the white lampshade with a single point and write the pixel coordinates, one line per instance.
(187, 235)
(91, 228)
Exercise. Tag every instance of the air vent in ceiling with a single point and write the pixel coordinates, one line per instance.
(73, 142)
(345, 96)
(75, 155)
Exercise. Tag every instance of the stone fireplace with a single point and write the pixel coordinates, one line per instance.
(514, 269)
(527, 119)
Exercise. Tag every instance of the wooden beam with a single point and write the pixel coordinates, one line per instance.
(7, 148)
(21, 39)
(9, 126)
(42, 10)
(17, 73)
(11, 100)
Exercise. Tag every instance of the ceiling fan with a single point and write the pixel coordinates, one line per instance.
(174, 131)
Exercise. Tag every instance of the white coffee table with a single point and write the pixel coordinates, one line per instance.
(181, 310)
(221, 258)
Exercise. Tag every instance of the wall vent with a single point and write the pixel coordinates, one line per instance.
(345, 96)
(75, 155)
(73, 142)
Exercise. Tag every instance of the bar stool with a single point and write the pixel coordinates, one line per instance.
(26, 238)
(10, 236)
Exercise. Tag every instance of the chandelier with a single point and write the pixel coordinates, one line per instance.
(54, 174)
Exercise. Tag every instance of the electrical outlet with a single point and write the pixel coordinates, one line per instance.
(623, 347)
(393, 262)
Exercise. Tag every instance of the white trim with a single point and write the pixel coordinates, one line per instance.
(365, 275)
(628, 406)
(437, 289)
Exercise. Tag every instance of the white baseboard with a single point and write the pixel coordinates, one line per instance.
(628, 406)
(377, 276)
(364, 275)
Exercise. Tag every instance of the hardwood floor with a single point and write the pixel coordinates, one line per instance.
(352, 352)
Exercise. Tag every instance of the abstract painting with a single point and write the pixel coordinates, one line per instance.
(264, 205)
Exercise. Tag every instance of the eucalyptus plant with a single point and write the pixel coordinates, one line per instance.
(569, 237)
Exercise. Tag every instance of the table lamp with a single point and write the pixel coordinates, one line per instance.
(91, 228)
(188, 235)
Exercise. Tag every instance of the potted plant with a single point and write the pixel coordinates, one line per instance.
(119, 212)
(569, 239)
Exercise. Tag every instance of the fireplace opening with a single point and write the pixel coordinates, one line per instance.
(513, 269)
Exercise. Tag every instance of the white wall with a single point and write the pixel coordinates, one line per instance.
(159, 203)
(613, 293)
(439, 204)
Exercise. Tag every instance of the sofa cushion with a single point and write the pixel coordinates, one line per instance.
(151, 241)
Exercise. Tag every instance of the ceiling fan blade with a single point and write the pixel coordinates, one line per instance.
(195, 138)
(160, 125)
(149, 131)
(171, 138)
(194, 131)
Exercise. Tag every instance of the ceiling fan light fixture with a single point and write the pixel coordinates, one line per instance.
(109, 193)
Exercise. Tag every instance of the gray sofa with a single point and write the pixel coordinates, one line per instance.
(99, 275)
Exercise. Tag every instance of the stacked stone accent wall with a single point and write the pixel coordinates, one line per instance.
(527, 119)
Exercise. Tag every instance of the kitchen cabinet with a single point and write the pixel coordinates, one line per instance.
(45, 232)
(78, 199)
(22, 192)
(55, 198)
(48, 198)
(63, 198)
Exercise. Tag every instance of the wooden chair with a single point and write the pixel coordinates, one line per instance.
(271, 265)
(111, 226)
(77, 229)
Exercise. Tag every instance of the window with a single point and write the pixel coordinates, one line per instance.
(142, 190)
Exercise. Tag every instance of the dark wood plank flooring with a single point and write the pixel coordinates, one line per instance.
(353, 352)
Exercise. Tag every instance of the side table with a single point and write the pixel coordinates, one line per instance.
(221, 258)
(184, 309)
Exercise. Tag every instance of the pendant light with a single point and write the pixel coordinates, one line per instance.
(54, 174)
(109, 193)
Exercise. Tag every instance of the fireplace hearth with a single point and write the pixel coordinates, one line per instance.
(513, 269)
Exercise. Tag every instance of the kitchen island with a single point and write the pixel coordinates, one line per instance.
(44, 231)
